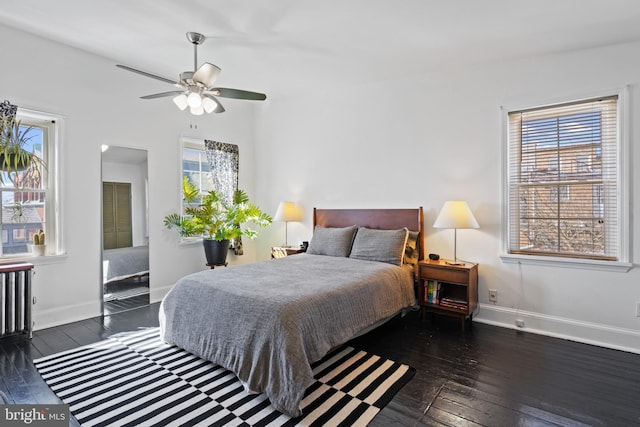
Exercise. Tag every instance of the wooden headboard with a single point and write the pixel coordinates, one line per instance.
(385, 219)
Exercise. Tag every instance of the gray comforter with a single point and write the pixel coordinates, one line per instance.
(268, 321)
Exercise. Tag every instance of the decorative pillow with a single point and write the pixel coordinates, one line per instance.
(332, 241)
(412, 249)
(379, 245)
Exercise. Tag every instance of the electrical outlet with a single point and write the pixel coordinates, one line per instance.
(493, 295)
(520, 323)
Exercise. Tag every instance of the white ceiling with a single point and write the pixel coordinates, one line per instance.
(279, 45)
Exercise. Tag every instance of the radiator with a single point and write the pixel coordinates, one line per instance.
(15, 299)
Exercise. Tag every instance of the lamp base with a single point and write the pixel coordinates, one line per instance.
(454, 263)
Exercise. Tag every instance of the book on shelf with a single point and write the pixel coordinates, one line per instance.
(431, 291)
(454, 303)
(428, 289)
(455, 300)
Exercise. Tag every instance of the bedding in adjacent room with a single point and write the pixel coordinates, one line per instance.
(124, 263)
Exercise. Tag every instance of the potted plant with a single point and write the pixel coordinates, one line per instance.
(38, 247)
(14, 156)
(217, 221)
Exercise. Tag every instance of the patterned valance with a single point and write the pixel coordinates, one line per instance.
(224, 162)
(8, 110)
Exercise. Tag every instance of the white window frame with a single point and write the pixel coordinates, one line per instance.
(53, 125)
(194, 144)
(623, 263)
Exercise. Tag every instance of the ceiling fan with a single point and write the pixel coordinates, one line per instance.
(196, 88)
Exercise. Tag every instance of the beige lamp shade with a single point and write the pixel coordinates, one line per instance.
(455, 214)
(287, 211)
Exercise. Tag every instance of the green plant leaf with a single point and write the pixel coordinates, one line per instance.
(215, 219)
(14, 157)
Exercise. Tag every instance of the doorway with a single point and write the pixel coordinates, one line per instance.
(125, 238)
(116, 215)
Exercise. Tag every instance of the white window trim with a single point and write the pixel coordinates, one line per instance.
(624, 193)
(54, 215)
(188, 142)
(196, 144)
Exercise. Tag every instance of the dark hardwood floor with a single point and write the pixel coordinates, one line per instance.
(125, 304)
(118, 294)
(487, 375)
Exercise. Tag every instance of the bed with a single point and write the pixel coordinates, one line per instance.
(268, 321)
(124, 263)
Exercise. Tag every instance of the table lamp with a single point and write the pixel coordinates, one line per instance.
(455, 214)
(287, 211)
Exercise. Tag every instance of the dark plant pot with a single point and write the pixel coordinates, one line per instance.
(215, 251)
(22, 165)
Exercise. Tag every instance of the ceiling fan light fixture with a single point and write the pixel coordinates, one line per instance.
(197, 111)
(209, 104)
(181, 101)
(195, 88)
(194, 100)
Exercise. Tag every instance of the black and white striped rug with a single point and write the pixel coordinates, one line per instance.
(135, 379)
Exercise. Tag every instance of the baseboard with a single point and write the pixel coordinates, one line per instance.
(49, 318)
(559, 327)
(62, 315)
(157, 294)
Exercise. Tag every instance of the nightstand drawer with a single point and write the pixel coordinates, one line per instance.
(444, 274)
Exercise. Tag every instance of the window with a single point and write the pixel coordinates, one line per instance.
(583, 163)
(195, 167)
(212, 165)
(563, 192)
(28, 197)
(563, 177)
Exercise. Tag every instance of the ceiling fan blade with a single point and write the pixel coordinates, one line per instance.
(144, 73)
(163, 94)
(206, 74)
(238, 94)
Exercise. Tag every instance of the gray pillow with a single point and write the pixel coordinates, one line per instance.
(332, 241)
(379, 245)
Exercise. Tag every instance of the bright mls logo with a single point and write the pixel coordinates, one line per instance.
(34, 415)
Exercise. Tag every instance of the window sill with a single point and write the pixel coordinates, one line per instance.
(190, 241)
(35, 260)
(590, 264)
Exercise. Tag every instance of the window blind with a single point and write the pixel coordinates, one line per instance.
(563, 180)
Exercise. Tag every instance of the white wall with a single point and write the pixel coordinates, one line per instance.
(136, 175)
(100, 104)
(422, 141)
(401, 143)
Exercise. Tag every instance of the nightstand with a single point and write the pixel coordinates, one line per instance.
(451, 290)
